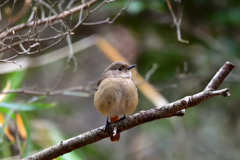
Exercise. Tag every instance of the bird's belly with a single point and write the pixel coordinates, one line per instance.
(116, 96)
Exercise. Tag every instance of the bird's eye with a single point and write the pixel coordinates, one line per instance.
(119, 69)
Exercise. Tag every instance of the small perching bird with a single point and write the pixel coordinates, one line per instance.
(116, 93)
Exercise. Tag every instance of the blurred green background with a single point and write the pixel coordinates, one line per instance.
(144, 34)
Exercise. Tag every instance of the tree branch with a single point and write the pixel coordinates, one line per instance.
(139, 118)
(35, 92)
(48, 19)
(86, 89)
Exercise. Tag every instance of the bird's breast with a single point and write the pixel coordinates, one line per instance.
(116, 96)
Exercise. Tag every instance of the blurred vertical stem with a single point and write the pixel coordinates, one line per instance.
(28, 138)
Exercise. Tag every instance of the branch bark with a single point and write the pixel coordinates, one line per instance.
(139, 118)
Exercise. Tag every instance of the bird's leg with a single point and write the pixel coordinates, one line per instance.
(107, 126)
(124, 116)
(107, 123)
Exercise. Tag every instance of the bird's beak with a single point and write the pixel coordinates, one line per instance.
(132, 66)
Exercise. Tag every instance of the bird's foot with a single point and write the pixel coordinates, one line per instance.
(124, 116)
(107, 124)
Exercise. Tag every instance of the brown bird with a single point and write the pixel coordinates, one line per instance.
(116, 93)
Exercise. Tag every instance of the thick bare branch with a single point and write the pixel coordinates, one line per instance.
(139, 118)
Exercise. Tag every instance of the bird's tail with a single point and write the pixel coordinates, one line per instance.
(117, 136)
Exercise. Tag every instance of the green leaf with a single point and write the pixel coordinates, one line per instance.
(28, 138)
(15, 79)
(7, 118)
(26, 107)
(36, 98)
(43, 105)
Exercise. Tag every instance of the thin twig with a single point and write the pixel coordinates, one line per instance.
(148, 74)
(51, 18)
(177, 22)
(54, 92)
(29, 37)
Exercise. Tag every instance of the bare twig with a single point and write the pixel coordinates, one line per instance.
(177, 22)
(142, 117)
(48, 19)
(54, 92)
(120, 12)
(30, 37)
(148, 74)
(50, 57)
(9, 61)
